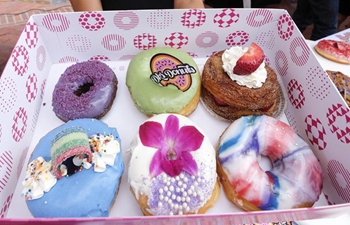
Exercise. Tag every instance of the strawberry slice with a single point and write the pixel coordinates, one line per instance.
(249, 61)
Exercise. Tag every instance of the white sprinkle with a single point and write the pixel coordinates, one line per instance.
(160, 204)
(185, 179)
(168, 183)
(172, 179)
(195, 183)
(183, 199)
(161, 197)
(187, 209)
(160, 191)
(180, 212)
(184, 204)
(182, 175)
(193, 177)
(182, 190)
(194, 194)
(188, 199)
(171, 213)
(199, 179)
(178, 198)
(189, 191)
(177, 189)
(177, 178)
(184, 186)
(184, 194)
(171, 188)
(168, 193)
(179, 183)
(165, 188)
(170, 201)
(192, 188)
(173, 197)
(166, 198)
(176, 206)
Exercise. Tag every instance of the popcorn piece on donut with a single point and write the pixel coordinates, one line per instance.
(172, 169)
(333, 50)
(295, 179)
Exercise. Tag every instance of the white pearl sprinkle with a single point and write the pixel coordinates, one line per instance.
(194, 194)
(182, 190)
(171, 213)
(178, 198)
(172, 180)
(177, 178)
(199, 179)
(182, 175)
(166, 198)
(180, 207)
(179, 183)
(173, 197)
(160, 191)
(177, 189)
(165, 188)
(160, 204)
(187, 209)
(171, 188)
(161, 197)
(184, 204)
(168, 183)
(189, 191)
(188, 199)
(195, 183)
(180, 212)
(183, 199)
(170, 201)
(185, 179)
(193, 177)
(176, 206)
(168, 193)
(184, 194)
(192, 188)
(184, 186)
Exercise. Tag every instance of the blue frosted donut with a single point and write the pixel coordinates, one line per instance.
(85, 193)
(84, 90)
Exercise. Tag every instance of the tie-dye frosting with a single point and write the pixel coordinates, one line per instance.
(295, 177)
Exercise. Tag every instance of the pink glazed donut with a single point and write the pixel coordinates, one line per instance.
(84, 90)
(295, 179)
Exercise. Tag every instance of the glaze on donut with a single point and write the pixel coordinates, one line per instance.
(172, 169)
(84, 90)
(295, 179)
(60, 183)
(336, 51)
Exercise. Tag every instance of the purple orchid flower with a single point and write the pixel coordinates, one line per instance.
(173, 144)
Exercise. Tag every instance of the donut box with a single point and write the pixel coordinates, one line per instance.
(50, 43)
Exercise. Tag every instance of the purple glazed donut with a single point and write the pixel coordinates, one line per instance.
(84, 90)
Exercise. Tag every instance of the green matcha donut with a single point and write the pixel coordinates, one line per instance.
(164, 80)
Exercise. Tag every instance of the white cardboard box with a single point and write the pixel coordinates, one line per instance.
(50, 43)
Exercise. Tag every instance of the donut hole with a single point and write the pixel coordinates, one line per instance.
(82, 89)
(264, 162)
(74, 163)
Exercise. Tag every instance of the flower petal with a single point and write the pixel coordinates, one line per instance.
(156, 164)
(172, 167)
(188, 139)
(171, 127)
(152, 134)
(190, 164)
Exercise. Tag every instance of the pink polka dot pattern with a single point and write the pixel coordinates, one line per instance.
(40, 57)
(8, 94)
(42, 89)
(92, 21)
(6, 164)
(176, 40)
(19, 125)
(281, 63)
(237, 38)
(21, 162)
(318, 84)
(113, 42)
(34, 119)
(340, 178)
(160, 19)
(292, 121)
(99, 58)
(31, 87)
(126, 20)
(193, 18)
(55, 22)
(145, 41)
(339, 122)
(299, 51)
(67, 59)
(267, 39)
(192, 54)
(31, 34)
(226, 18)
(211, 54)
(207, 39)
(20, 60)
(6, 206)
(296, 94)
(315, 132)
(267, 61)
(78, 43)
(285, 27)
(259, 17)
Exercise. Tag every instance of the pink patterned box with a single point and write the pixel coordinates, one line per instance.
(50, 43)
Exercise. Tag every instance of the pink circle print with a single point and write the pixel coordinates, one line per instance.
(317, 84)
(40, 58)
(79, 43)
(193, 18)
(237, 38)
(176, 40)
(20, 60)
(126, 20)
(285, 27)
(145, 41)
(160, 19)
(92, 21)
(42, 89)
(6, 206)
(113, 42)
(31, 34)
(8, 94)
(259, 17)
(67, 59)
(19, 125)
(340, 178)
(207, 39)
(6, 164)
(315, 132)
(299, 51)
(339, 122)
(99, 58)
(226, 18)
(55, 22)
(281, 63)
(31, 87)
(296, 94)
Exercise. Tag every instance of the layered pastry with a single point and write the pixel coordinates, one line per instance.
(74, 171)
(237, 82)
(336, 51)
(172, 170)
(342, 82)
(164, 80)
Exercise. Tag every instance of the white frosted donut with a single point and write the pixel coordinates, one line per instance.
(172, 169)
(295, 179)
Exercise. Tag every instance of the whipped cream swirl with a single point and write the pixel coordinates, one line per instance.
(229, 60)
